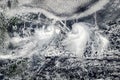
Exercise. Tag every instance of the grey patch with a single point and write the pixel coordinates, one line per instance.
(85, 7)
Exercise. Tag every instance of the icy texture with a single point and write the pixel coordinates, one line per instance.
(37, 46)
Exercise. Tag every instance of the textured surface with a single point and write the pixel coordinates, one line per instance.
(34, 55)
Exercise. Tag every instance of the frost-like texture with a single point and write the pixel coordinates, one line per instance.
(45, 40)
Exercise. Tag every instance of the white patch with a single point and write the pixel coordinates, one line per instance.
(81, 34)
(23, 9)
(28, 46)
(76, 40)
